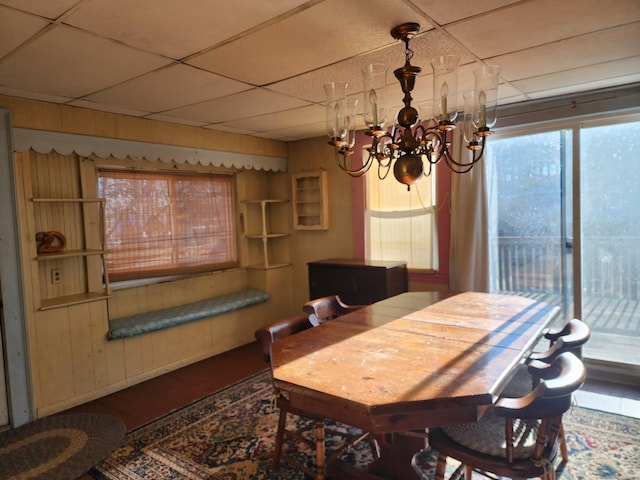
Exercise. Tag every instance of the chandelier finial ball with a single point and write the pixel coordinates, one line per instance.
(408, 169)
(407, 117)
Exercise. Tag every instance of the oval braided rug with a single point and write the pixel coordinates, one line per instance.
(58, 447)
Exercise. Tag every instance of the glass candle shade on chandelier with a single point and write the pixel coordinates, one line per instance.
(413, 142)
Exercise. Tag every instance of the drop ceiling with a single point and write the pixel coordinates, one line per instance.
(257, 67)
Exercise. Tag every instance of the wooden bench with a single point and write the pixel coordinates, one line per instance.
(168, 317)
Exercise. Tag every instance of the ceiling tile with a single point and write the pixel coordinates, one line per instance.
(16, 92)
(310, 86)
(607, 74)
(308, 40)
(528, 24)
(104, 59)
(175, 28)
(16, 27)
(107, 108)
(297, 133)
(584, 50)
(280, 120)
(167, 118)
(584, 87)
(67, 62)
(47, 8)
(167, 88)
(224, 128)
(452, 10)
(240, 105)
(507, 93)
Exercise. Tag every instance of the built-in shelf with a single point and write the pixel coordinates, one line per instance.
(71, 253)
(67, 300)
(259, 213)
(309, 194)
(77, 273)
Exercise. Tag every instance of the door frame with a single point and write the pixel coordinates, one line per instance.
(16, 361)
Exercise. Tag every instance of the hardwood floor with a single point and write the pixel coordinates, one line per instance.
(152, 399)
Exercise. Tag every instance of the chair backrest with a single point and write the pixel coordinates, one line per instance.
(326, 308)
(278, 330)
(574, 334)
(569, 338)
(547, 402)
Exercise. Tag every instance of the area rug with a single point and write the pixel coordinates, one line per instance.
(230, 436)
(60, 447)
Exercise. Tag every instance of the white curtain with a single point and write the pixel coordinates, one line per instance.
(469, 247)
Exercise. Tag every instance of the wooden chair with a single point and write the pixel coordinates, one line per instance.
(316, 443)
(326, 308)
(574, 334)
(269, 334)
(570, 338)
(518, 437)
(274, 332)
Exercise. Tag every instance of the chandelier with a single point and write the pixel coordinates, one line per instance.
(411, 142)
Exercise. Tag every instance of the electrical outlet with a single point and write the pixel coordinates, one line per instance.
(56, 275)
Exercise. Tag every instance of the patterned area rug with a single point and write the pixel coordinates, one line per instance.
(230, 436)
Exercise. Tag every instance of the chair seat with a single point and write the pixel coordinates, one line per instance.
(517, 437)
(487, 435)
(520, 384)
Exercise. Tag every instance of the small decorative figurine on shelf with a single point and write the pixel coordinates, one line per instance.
(50, 242)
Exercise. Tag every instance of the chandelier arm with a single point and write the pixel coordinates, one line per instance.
(420, 140)
(386, 168)
(384, 153)
(438, 145)
(457, 167)
(480, 152)
(356, 172)
(426, 173)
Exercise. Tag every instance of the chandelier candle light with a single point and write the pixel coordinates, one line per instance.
(413, 141)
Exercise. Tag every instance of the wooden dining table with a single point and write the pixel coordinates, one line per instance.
(409, 362)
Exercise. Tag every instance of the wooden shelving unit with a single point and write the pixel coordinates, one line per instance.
(309, 196)
(259, 213)
(85, 236)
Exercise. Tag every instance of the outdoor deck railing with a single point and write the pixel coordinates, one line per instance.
(610, 267)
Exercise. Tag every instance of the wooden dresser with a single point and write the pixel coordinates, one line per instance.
(357, 282)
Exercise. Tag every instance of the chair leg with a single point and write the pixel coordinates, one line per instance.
(563, 445)
(468, 472)
(279, 439)
(375, 446)
(319, 432)
(550, 475)
(441, 467)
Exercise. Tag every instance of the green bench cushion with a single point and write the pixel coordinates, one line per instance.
(168, 317)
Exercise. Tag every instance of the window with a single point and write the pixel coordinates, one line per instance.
(401, 224)
(167, 223)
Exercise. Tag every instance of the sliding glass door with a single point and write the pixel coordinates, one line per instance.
(610, 238)
(588, 262)
(530, 216)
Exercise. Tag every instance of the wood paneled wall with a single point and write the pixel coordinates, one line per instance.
(71, 360)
